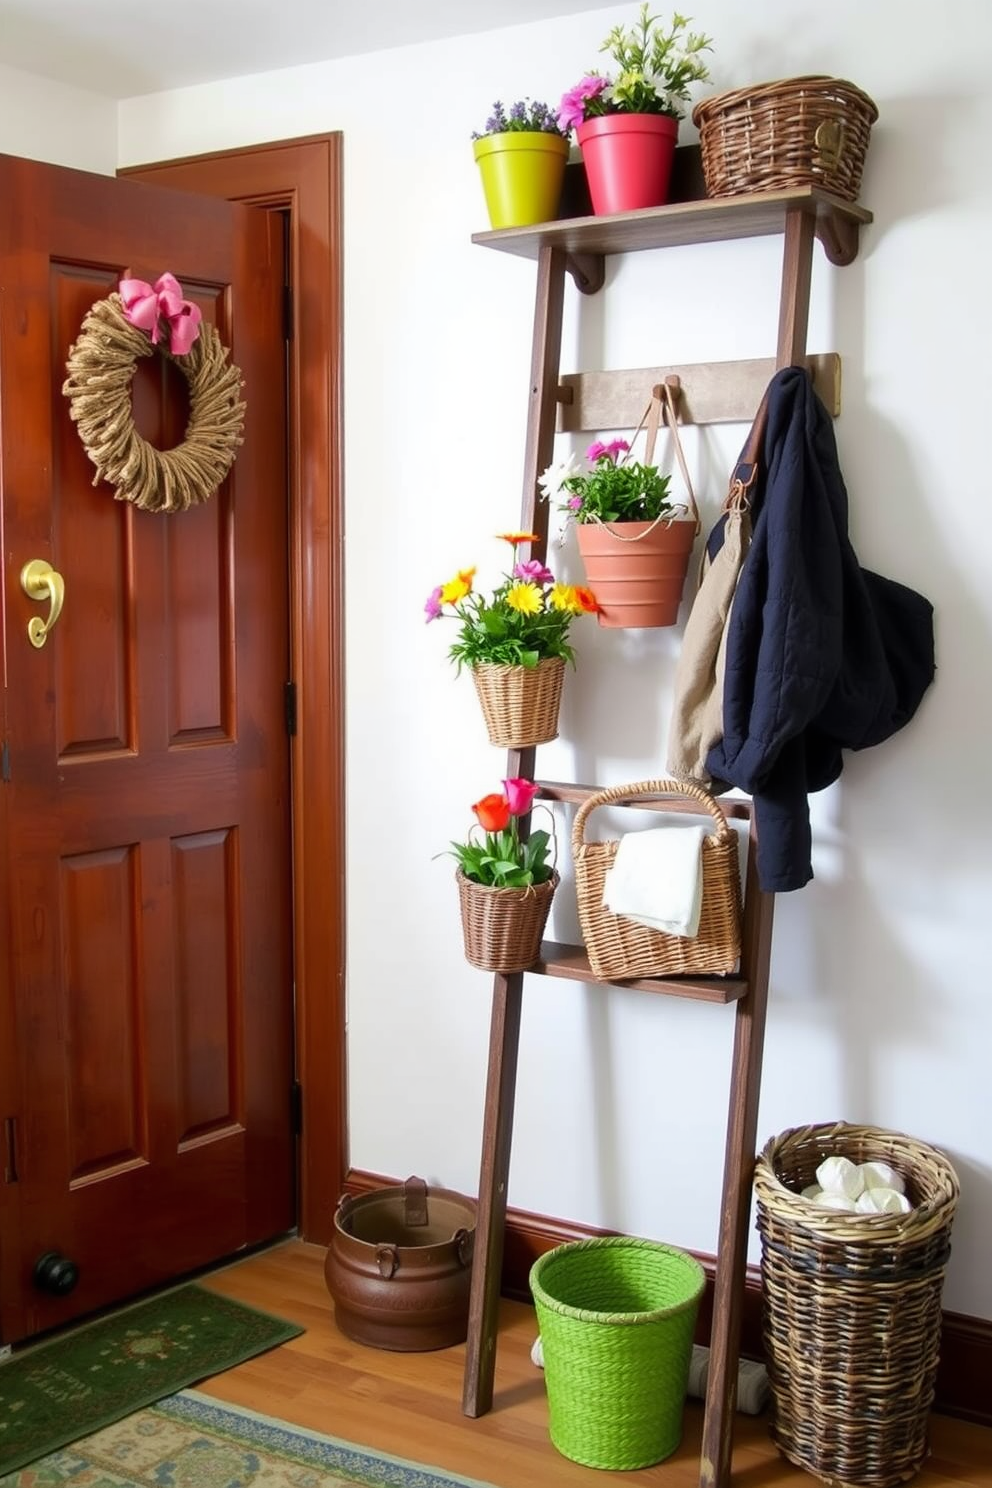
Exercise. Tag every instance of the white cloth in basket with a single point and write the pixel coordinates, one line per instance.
(657, 879)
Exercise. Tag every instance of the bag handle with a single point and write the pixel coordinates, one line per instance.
(614, 793)
(745, 472)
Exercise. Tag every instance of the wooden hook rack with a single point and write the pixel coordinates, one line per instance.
(707, 392)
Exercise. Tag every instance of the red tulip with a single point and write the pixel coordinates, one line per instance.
(520, 795)
(493, 812)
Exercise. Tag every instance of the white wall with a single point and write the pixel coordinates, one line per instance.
(880, 1004)
(44, 120)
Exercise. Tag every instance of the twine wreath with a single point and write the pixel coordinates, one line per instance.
(101, 366)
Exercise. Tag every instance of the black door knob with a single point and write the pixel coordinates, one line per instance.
(55, 1273)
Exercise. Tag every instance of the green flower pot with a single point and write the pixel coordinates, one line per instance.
(522, 175)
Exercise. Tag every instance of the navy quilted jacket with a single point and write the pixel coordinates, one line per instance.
(821, 654)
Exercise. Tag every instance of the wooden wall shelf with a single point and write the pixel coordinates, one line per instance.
(588, 241)
(572, 962)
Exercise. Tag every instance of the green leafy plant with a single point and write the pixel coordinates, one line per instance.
(523, 116)
(611, 490)
(657, 64)
(501, 860)
(525, 621)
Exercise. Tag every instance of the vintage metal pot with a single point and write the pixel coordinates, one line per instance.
(399, 1266)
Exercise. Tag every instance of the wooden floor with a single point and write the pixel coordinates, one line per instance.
(410, 1404)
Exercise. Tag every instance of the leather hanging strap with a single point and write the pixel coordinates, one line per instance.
(661, 410)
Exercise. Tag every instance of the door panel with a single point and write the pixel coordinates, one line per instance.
(148, 800)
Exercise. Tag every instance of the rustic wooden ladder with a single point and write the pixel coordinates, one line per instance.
(580, 248)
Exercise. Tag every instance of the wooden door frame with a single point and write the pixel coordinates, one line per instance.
(302, 178)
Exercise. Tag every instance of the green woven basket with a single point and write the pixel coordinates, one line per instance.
(616, 1317)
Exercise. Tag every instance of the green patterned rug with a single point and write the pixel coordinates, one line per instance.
(96, 1373)
(192, 1441)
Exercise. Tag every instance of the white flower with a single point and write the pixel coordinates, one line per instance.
(556, 475)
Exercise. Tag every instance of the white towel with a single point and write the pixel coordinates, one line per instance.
(657, 879)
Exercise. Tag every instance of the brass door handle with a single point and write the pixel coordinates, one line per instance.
(40, 581)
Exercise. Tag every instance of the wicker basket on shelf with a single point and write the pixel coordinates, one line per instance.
(502, 928)
(851, 1306)
(805, 131)
(619, 947)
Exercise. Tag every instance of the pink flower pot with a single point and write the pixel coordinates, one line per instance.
(628, 160)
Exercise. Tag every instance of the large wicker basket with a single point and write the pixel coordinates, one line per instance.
(520, 704)
(619, 947)
(805, 131)
(502, 928)
(851, 1305)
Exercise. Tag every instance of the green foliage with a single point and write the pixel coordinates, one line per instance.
(493, 632)
(657, 64)
(524, 621)
(621, 493)
(611, 490)
(502, 861)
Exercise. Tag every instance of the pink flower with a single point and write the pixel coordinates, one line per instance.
(432, 609)
(572, 109)
(520, 795)
(535, 571)
(597, 450)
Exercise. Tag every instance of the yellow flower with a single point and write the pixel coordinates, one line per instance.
(526, 598)
(457, 588)
(565, 597)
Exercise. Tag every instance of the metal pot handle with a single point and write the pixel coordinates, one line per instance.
(463, 1243)
(387, 1260)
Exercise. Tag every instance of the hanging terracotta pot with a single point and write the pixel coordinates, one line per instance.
(520, 704)
(522, 175)
(636, 569)
(502, 928)
(628, 160)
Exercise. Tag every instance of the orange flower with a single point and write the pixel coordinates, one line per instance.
(493, 812)
(587, 600)
(518, 537)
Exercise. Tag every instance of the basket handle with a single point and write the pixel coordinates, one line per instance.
(615, 793)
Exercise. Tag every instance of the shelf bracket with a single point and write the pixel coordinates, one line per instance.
(840, 237)
(588, 271)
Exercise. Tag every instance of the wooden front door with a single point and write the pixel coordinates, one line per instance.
(146, 1015)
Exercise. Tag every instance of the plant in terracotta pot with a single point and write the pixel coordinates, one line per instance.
(521, 154)
(505, 882)
(634, 539)
(515, 642)
(627, 123)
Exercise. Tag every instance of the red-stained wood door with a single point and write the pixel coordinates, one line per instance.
(146, 1022)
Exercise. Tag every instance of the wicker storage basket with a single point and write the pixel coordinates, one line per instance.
(502, 928)
(852, 1306)
(616, 1317)
(520, 704)
(619, 947)
(805, 131)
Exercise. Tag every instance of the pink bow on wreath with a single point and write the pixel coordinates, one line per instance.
(146, 306)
